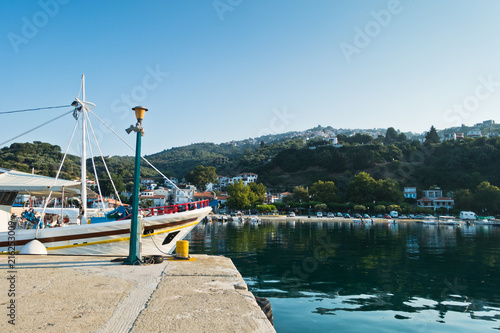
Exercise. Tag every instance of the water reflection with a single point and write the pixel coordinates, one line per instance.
(341, 276)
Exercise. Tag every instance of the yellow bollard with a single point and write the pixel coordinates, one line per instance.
(182, 249)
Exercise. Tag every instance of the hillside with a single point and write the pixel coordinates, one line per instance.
(300, 158)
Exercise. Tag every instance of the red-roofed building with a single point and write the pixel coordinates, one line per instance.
(434, 199)
(158, 200)
(204, 196)
(285, 194)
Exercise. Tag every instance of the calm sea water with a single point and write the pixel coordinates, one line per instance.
(345, 277)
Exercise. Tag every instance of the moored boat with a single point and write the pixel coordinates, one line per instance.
(430, 220)
(447, 220)
(160, 227)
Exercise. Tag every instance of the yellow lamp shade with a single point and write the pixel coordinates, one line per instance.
(140, 111)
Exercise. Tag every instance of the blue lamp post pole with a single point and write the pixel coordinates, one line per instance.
(135, 229)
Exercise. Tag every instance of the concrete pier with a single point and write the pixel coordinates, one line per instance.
(93, 294)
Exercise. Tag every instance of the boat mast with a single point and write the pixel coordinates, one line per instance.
(84, 156)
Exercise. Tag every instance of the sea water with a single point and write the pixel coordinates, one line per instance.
(353, 277)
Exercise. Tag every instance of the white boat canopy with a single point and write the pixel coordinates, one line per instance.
(26, 183)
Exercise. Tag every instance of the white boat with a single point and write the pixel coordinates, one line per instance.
(161, 227)
(447, 220)
(430, 220)
(253, 219)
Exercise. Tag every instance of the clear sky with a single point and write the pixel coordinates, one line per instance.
(232, 69)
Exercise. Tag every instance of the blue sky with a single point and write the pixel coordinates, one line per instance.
(233, 69)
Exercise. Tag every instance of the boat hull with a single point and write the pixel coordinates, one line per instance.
(159, 236)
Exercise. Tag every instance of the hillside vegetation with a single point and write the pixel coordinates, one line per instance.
(286, 162)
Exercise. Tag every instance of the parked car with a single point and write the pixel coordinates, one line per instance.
(319, 214)
(387, 216)
(379, 216)
(403, 217)
(291, 214)
(366, 216)
(339, 214)
(331, 214)
(347, 216)
(357, 216)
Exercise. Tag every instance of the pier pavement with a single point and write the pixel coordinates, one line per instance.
(94, 294)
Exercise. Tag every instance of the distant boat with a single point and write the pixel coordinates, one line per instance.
(253, 219)
(430, 220)
(447, 220)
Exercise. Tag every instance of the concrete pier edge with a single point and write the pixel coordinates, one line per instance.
(93, 294)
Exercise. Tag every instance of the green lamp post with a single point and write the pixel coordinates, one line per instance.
(134, 256)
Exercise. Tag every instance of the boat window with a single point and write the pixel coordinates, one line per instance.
(7, 198)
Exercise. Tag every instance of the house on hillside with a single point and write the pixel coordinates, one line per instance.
(475, 133)
(207, 195)
(434, 199)
(285, 194)
(158, 200)
(410, 192)
(271, 198)
(184, 194)
(450, 136)
(245, 177)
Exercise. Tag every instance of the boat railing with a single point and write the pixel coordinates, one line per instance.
(164, 210)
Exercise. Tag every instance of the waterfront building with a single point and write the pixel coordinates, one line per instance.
(434, 199)
(158, 200)
(184, 194)
(410, 192)
(474, 133)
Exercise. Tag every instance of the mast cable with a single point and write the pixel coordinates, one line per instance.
(36, 109)
(104, 162)
(95, 171)
(35, 128)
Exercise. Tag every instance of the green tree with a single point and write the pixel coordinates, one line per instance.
(391, 136)
(361, 188)
(380, 208)
(432, 136)
(396, 208)
(487, 198)
(300, 193)
(359, 208)
(107, 187)
(388, 190)
(238, 196)
(200, 176)
(265, 208)
(464, 199)
(245, 197)
(324, 192)
(320, 207)
(257, 194)
(402, 137)
(145, 203)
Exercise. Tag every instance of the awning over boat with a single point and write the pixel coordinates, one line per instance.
(26, 183)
